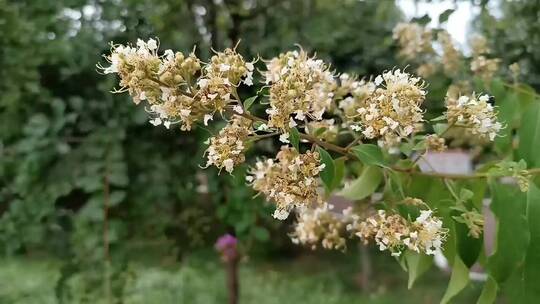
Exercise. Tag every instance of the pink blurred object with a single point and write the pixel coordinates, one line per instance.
(226, 245)
(451, 162)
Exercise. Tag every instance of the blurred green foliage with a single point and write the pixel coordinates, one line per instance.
(514, 32)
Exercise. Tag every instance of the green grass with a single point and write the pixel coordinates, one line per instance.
(328, 279)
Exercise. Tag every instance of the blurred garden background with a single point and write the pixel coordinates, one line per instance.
(99, 206)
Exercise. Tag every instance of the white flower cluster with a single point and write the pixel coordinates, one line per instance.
(301, 87)
(451, 58)
(320, 225)
(413, 39)
(226, 150)
(179, 89)
(394, 233)
(475, 113)
(392, 111)
(485, 67)
(290, 181)
(354, 94)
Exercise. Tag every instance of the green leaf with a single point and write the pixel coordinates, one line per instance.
(328, 173)
(465, 194)
(509, 206)
(339, 164)
(507, 107)
(531, 270)
(439, 118)
(440, 128)
(529, 135)
(417, 264)
(443, 17)
(117, 197)
(261, 233)
(364, 185)
(489, 292)
(370, 155)
(458, 280)
(249, 102)
(468, 247)
(424, 20)
(295, 138)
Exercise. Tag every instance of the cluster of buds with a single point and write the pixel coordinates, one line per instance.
(435, 143)
(226, 150)
(392, 111)
(485, 67)
(322, 226)
(517, 170)
(414, 40)
(355, 93)
(301, 87)
(474, 113)
(474, 222)
(451, 58)
(290, 181)
(179, 89)
(395, 233)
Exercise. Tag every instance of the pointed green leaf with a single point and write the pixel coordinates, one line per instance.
(417, 264)
(512, 239)
(440, 128)
(443, 17)
(327, 174)
(529, 135)
(531, 270)
(249, 102)
(438, 118)
(489, 292)
(458, 280)
(364, 185)
(370, 155)
(294, 137)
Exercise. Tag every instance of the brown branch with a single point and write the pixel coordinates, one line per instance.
(412, 171)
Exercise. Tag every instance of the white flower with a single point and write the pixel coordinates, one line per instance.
(203, 83)
(169, 55)
(300, 115)
(284, 138)
(262, 127)
(229, 165)
(249, 79)
(224, 67)
(152, 44)
(292, 123)
(167, 124)
(356, 128)
(238, 109)
(281, 214)
(185, 112)
(378, 80)
(156, 121)
(424, 215)
(207, 117)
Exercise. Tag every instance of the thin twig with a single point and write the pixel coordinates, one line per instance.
(411, 171)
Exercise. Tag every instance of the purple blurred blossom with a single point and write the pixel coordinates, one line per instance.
(226, 245)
